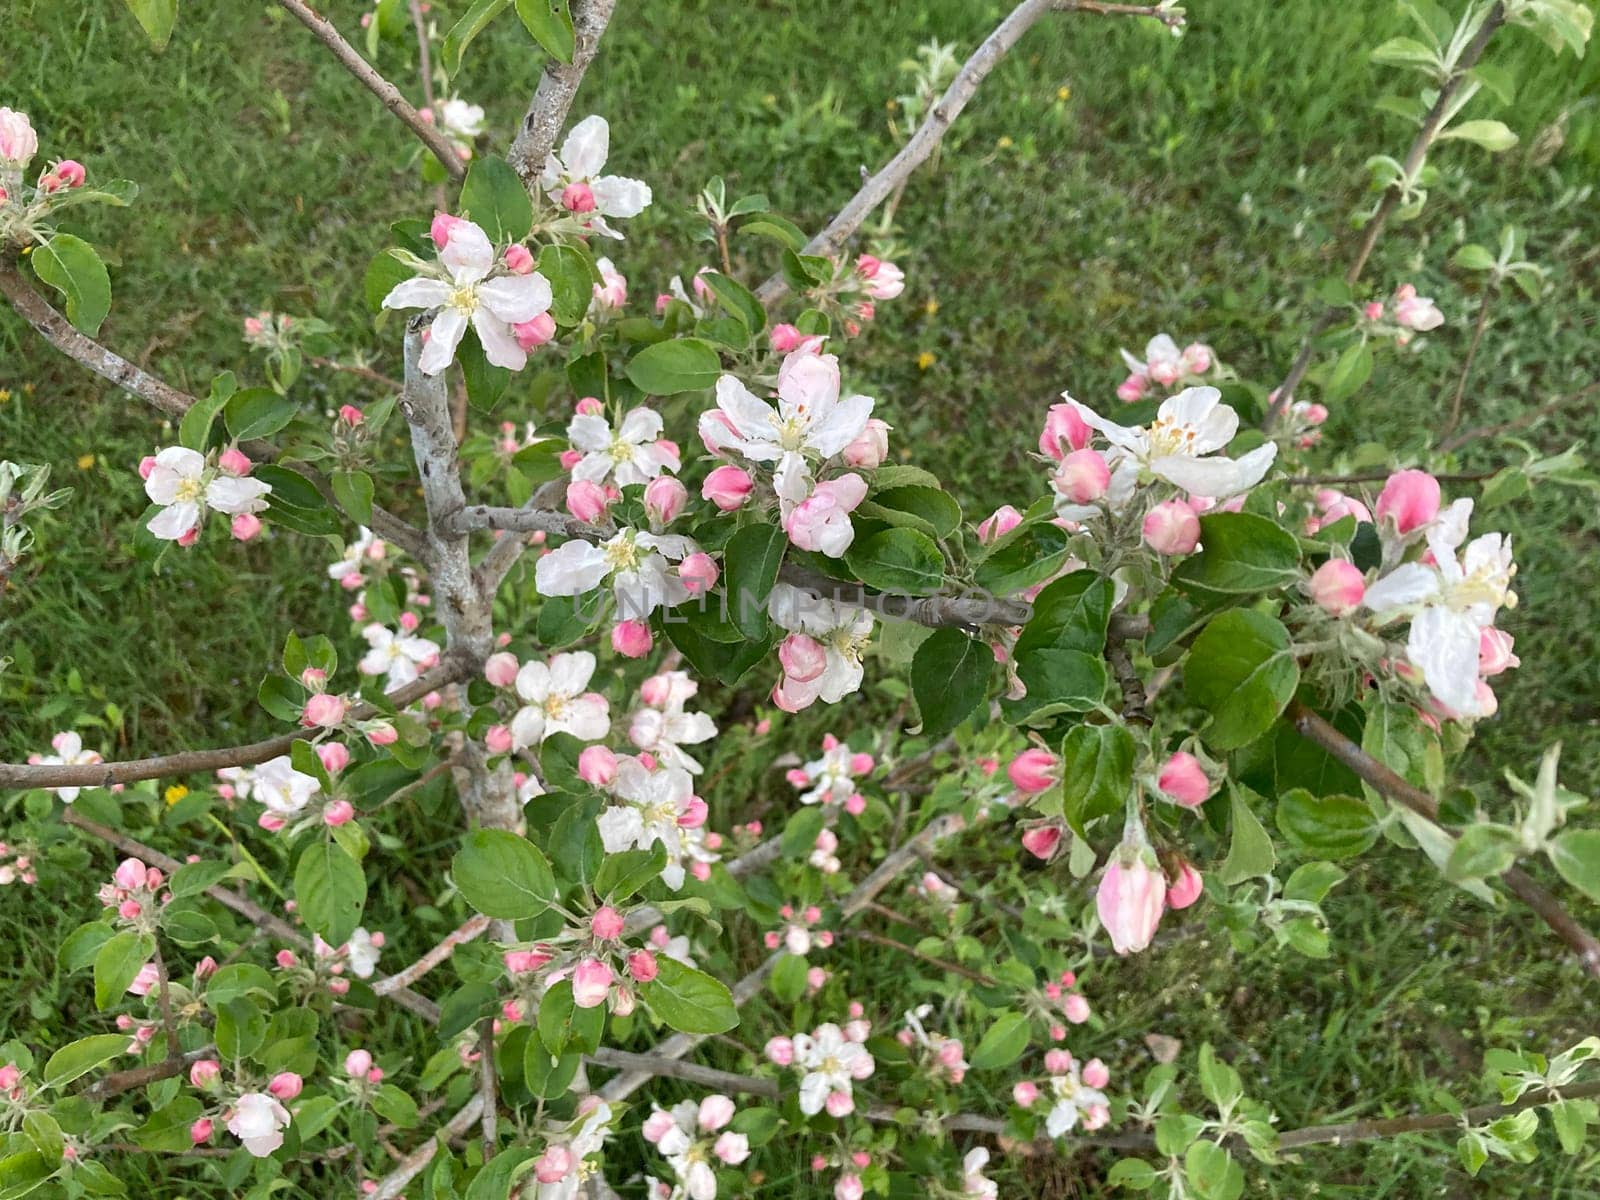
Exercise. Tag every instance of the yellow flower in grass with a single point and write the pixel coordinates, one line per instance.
(85, 461)
(926, 359)
(175, 793)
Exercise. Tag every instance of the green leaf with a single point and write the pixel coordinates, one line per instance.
(1132, 1173)
(788, 980)
(463, 31)
(1212, 1173)
(1482, 851)
(241, 1029)
(156, 18)
(1058, 681)
(681, 365)
(925, 503)
(295, 502)
(1312, 881)
(1073, 613)
(562, 1023)
(25, 1172)
(1493, 136)
(739, 300)
(71, 266)
(1326, 826)
(949, 678)
(687, 1000)
(330, 890)
(77, 1059)
(550, 23)
(257, 413)
(621, 875)
(353, 490)
(500, 1173)
(1474, 258)
(1219, 1081)
(1241, 555)
(1250, 853)
(1404, 52)
(1026, 556)
(494, 197)
(902, 561)
(1351, 370)
(194, 430)
(1576, 857)
(572, 277)
(1003, 1043)
(1096, 773)
(116, 964)
(503, 875)
(1241, 671)
(752, 559)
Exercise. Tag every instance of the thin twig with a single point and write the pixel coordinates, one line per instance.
(1521, 421)
(1517, 881)
(1415, 156)
(368, 373)
(386, 92)
(547, 111)
(189, 762)
(468, 931)
(889, 943)
(424, 59)
(413, 1164)
(1472, 354)
(486, 1084)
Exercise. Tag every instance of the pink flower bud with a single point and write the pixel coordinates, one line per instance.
(578, 198)
(130, 874)
(200, 1131)
(518, 259)
(1129, 900)
(532, 334)
(597, 765)
(1409, 500)
(780, 1050)
(664, 498)
(695, 814)
(440, 229)
(855, 804)
(1171, 527)
(205, 969)
(147, 464)
(731, 1148)
(1337, 586)
(642, 966)
(234, 462)
(1083, 476)
(606, 923)
(803, 659)
(1064, 430)
(784, 338)
(1025, 1093)
(381, 733)
(189, 537)
(1057, 1062)
(324, 710)
(1313, 414)
(375, 1075)
(144, 981)
(1032, 771)
(129, 910)
(285, 1085)
(1096, 1074)
(1196, 358)
(591, 980)
(285, 959)
(870, 447)
(586, 500)
(839, 1104)
(204, 1072)
(1042, 841)
(715, 1112)
(351, 415)
(244, 526)
(501, 669)
(727, 487)
(1183, 779)
(357, 1063)
(340, 812)
(554, 1165)
(497, 739)
(1494, 653)
(1186, 888)
(999, 523)
(698, 573)
(1373, 311)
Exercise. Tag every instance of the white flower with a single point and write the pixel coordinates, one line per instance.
(1072, 1100)
(556, 699)
(582, 158)
(18, 141)
(461, 123)
(653, 803)
(586, 1138)
(355, 553)
(830, 775)
(398, 656)
(186, 487)
(831, 1063)
(258, 1121)
(973, 1180)
(461, 289)
(281, 788)
(362, 953)
(630, 455)
(844, 632)
(1450, 603)
(809, 416)
(663, 731)
(69, 752)
(636, 563)
(1179, 447)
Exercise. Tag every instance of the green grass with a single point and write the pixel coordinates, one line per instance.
(1107, 183)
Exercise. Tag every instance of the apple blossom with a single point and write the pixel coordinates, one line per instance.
(398, 657)
(1064, 431)
(1184, 780)
(631, 454)
(1131, 895)
(461, 123)
(1337, 587)
(664, 499)
(611, 293)
(18, 141)
(819, 519)
(1409, 501)
(283, 790)
(727, 487)
(572, 179)
(870, 448)
(1073, 1100)
(464, 290)
(1082, 477)
(637, 564)
(69, 752)
(1171, 527)
(258, 1120)
(591, 981)
(999, 523)
(663, 730)
(1412, 311)
(1185, 889)
(1033, 771)
(829, 1064)
(810, 418)
(1494, 653)
(555, 700)
(884, 280)
(186, 487)
(843, 632)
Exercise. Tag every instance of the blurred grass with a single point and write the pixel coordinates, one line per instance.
(1107, 183)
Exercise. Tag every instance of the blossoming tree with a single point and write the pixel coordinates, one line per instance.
(1180, 663)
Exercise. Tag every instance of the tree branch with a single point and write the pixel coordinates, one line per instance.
(547, 111)
(1522, 421)
(1517, 881)
(468, 931)
(42, 775)
(1420, 145)
(413, 1164)
(380, 87)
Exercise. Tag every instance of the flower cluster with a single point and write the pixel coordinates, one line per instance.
(21, 206)
(799, 932)
(1408, 314)
(69, 752)
(693, 1138)
(591, 954)
(1075, 1097)
(568, 1161)
(1165, 366)
(186, 484)
(830, 780)
(830, 1061)
(573, 181)
(942, 1057)
(254, 1114)
(821, 656)
(663, 726)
